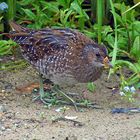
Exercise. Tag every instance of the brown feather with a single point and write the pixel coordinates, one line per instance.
(65, 56)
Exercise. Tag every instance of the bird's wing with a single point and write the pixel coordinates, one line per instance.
(35, 44)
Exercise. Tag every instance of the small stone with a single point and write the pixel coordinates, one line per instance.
(2, 109)
(26, 126)
(127, 117)
(7, 125)
(17, 113)
(122, 93)
(8, 129)
(17, 125)
(3, 91)
(2, 128)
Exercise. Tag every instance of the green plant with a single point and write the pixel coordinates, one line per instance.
(6, 47)
(55, 13)
(128, 42)
(91, 87)
(11, 9)
(3, 10)
(128, 93)
(13, 65)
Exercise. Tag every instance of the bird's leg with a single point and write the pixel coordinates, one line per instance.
(52, 97)
(56, 89)
(41, 91)
(72, 102)
(41, 87)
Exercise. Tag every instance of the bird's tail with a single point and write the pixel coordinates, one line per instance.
(16, 27)
(17, 30)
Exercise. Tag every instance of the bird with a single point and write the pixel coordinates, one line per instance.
(63, 55)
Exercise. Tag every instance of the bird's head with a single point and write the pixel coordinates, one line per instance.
(96, 55)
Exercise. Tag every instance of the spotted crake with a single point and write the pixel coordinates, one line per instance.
(65, 56)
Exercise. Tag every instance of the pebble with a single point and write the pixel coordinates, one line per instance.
(2, 128)
(3, 91)
(3, 109)
(17, 125)
(26, 126)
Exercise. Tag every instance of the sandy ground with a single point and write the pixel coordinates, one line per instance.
(22, 119)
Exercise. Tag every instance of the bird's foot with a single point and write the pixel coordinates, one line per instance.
(52, 97)
(42, 99)
(55, 100)
(77, 103)
(57, 90)
(46, 97)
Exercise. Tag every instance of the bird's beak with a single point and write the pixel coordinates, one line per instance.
(107, 63)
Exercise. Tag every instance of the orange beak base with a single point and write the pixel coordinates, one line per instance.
(107, 63)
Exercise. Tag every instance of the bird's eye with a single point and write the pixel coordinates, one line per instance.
(98, 55)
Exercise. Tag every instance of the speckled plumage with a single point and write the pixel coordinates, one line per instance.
(65, 56)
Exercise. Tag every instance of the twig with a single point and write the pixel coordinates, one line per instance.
(75, 123)
(125, 110)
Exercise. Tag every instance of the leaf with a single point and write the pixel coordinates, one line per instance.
(29, 13)
(91, 86)
(136, 26)
(137, 85)
(76, 6)
(6, 46)
(51, 6)
(133, 80)
(126, 63)
(1, 18)
(110, 39)
(137, 65)
(106, 30)
(67, 16)
(64, 3)
(90, 33)
(26, 2)
(135, 50)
